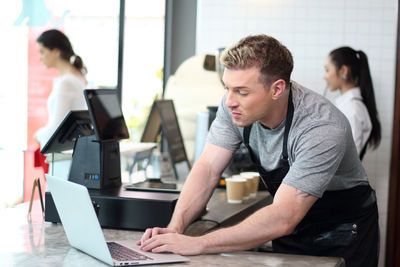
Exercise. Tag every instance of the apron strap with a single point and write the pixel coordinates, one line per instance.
(246, 137)
(288, 124)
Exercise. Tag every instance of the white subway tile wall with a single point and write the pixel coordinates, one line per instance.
(311, 29)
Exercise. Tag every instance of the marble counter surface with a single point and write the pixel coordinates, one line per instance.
(34, 242)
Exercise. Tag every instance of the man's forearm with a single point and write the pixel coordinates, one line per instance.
(271, 222)
(194, 196)
(252, 232)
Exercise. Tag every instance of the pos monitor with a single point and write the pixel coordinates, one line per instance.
(74, 125)
(106, 114)
(96, 158)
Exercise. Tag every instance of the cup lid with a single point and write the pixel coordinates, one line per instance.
(235, 179)
(249, 174)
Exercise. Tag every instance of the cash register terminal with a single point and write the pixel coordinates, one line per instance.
(94, 136)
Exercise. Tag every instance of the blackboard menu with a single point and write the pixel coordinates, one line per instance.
(171, 130)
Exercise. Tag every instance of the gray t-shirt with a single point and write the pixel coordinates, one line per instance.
(321, 150)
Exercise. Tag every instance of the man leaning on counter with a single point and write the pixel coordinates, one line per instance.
(303, 148)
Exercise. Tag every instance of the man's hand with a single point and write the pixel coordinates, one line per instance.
(150, 232)
(196, 192)
(167, 240)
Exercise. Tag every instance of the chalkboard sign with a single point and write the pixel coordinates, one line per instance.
(163, 118)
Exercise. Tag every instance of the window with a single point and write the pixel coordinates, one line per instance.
(93, 29)
(143, 61)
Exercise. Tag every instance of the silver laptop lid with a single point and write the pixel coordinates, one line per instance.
(74, 206)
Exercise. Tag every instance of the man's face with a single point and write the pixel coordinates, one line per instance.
(247, 99)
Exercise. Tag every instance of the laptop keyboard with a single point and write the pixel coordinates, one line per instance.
(122, 253)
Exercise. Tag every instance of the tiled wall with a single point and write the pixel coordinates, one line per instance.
(310, 29)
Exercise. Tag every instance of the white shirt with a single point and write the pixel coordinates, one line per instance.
(351, 105)
(67, 94)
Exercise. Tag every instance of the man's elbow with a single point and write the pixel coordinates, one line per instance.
(287, 227)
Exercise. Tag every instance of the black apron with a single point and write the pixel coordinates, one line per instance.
(342, 223)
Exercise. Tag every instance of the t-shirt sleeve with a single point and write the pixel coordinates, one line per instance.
(223, 132)
(318, 153)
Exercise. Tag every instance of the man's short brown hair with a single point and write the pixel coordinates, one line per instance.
(274, 59)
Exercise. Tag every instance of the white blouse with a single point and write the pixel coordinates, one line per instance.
(350, 103)
(67, 94)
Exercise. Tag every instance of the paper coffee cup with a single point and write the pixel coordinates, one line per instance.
(235, 187)
(254, 179)
(247, 185)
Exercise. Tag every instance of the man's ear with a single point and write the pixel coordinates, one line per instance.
(278, 88)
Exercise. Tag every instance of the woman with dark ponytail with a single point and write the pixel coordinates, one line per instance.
(67, 94)
(347, 70)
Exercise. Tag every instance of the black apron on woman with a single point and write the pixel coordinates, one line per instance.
(342, 223)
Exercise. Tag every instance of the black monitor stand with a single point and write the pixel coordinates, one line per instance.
(96, 164)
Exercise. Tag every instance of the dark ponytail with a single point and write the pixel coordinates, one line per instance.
(367, 93)
(357, 61)
(52, 39)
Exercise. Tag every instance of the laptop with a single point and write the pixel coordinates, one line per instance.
(84, 232)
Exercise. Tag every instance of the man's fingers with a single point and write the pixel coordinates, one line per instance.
(161, 249)
(156, 231)
(152, 232)
(152, 243)
(147, 235)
